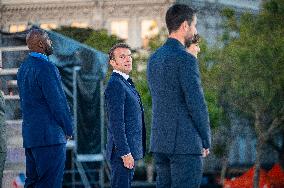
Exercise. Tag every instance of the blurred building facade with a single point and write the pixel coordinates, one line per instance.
(133, 20)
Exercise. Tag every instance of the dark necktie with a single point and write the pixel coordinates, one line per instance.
(139, 97)
(131, 82)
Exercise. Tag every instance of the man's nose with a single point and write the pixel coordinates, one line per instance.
(128, 58)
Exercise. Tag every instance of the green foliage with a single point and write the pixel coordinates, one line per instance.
(98, 39)
(210, 84)
(230, 25)
(79, 34)
(138, 75)
(158, 40)
(246, 74)
(250, 69)
(219, 149)
(102, 41)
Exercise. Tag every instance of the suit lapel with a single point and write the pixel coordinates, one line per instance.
(126, 82)
(132, 88)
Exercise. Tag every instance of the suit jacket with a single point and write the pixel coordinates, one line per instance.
(126, 128)
(46, 115)
(3, 146)
(180, 121)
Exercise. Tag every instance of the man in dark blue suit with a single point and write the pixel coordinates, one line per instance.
(46, 115)
(126, 128)
(180, 132)
(3, 146)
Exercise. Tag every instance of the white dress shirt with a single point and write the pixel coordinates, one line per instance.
(125, 76)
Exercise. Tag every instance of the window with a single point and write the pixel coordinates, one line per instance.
(17, 28)
(48, 26)
(149, 28)
(120, 28)
(79, 24)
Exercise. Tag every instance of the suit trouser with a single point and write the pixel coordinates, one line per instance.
(45, 166)
(2, 164)
(121, 176)
(3, 144)
(178, 170)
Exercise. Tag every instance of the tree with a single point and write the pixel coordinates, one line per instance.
(79, 34)
(217, 108)
(138, 75)
(102, 41)
(98, 39)
(251, 72)
(157, 40)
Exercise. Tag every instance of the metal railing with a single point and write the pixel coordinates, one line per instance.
(77, 159)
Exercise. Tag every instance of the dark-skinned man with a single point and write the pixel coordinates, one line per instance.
(46, 116)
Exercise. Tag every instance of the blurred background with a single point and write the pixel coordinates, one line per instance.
(241, 63)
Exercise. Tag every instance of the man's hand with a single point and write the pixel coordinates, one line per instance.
(128, 161)
(205, 152)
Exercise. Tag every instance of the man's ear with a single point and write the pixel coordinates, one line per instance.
(40, 44)
(184, 25)
(112, 62)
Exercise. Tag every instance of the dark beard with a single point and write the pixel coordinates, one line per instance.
(49, 51)
(188, 41)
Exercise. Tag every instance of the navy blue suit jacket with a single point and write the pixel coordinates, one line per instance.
(46, 115)
(126, 129)
(180, 123)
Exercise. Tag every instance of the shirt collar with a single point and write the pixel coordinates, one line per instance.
(39, 55)
(125, 76)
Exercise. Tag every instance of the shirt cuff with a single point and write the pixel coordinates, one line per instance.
(126, 155)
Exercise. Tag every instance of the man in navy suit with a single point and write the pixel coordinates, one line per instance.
(180, 132)
(3, 144)
(46, 115)
(126, 128)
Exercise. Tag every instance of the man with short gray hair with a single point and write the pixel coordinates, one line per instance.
(126, 141)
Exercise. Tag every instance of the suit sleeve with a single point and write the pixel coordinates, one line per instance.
(114, 99)
(3, 144)
(190, 81)
(50, 82)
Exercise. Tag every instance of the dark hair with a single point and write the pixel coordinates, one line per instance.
(118, 45)
(35, 32)
(177, 14)
(196, 39)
